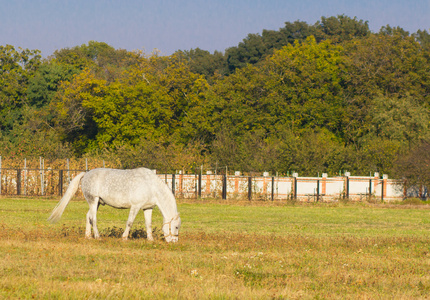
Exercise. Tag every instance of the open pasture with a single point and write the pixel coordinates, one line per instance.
(226, 250)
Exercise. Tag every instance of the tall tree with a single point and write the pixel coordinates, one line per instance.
(45, 82)
(151, 100)
(393, 66)
(16, 69)
(307, 81)
(256, 47)
(343, 28)
(204, 63)
(74, 122)
(423, 37)
(107, 62)
(402, 119)
(413, 166)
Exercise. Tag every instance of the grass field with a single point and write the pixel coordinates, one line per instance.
(226, 250)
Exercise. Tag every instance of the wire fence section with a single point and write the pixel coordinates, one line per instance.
(35, 182)
(54, 182)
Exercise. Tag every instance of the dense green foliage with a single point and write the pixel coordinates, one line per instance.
(327, 97)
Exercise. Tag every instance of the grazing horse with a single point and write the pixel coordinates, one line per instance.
(134, 189)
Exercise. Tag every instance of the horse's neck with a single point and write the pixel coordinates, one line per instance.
(168, 208)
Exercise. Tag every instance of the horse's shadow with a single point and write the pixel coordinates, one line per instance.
(114, 232)
(138, 233)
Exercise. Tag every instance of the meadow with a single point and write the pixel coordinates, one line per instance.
(226, 250)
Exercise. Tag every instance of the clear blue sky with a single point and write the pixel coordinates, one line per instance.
(168, 25)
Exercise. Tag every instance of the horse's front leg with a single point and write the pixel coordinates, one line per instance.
(133, 212)
(148, 223)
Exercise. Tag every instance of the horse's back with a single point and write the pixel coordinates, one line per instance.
(123, 188)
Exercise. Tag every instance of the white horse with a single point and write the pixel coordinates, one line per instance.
(134, 189)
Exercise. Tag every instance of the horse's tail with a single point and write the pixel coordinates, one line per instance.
(61, 206)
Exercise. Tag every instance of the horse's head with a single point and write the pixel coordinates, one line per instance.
(171, 229)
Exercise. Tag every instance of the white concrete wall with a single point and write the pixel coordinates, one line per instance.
(237, 186)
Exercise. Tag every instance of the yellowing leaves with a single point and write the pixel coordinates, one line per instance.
(149, 100)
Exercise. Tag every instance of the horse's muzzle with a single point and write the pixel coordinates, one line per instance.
(170, 238)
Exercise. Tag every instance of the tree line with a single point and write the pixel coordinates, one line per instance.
(311, 98)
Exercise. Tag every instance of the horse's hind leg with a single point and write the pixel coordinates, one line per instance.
(148, 223)
(92, 219)
(133, 212)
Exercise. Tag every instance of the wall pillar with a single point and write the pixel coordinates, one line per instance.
(236, 182)
(384, 186)
(208, 183)
(324, 184)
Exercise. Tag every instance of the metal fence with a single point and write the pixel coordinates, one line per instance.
(54, 182)
(35, 182)
(280, 188)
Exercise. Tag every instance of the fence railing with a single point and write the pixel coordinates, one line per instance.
(279, 188)
(35, 182)
(54, 182)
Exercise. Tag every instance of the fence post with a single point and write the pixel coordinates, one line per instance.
(273, 188)
(295, 186)
(200, 185)
(68, 170)
(249, 188)
(173, 184)
(0, 177)
(347, 174)
(224, 187)
(25, 176)
(347, 187)
(18, 182)
(384, 186)
(60, 183)
(370, 188)
(42, 179)
(181, 184)
(318, 190)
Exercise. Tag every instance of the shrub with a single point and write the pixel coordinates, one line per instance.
(413, 201)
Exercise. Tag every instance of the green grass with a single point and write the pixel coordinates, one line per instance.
(226, 250)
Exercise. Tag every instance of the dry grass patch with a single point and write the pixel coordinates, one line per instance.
(235, 257)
